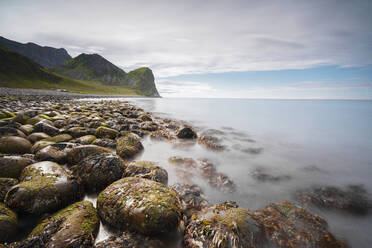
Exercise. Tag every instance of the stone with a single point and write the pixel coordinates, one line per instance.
(211, 142)
(105, 132)
(85, 140)
(192, 197)
(40, 145)
(34, 137)
(148, 170)
(131, 240)
(5, 185)
(186, 133)
(55, 152)
(12, 165)
(60, 138)
(44, 127)
(78, 153)
(14, 145)
(11, 131)
(8, 223)
(128, 146)
(77, 132)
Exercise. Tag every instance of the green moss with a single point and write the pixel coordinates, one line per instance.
(45, 117)
(7, 215)
(59, 138)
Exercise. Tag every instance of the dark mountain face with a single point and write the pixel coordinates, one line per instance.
(45, 56)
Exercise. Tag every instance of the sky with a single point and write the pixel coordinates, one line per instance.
(296, 49)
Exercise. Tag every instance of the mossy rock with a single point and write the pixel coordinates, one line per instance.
(141, 205)
(6, 114)
(59, 138)
(8, 223)
(46, 117)
(128, 146)
(105, 132)
(5, 185)
(34, 137)
(40, 145)
(43, 169)
(55, 152)
(109, 143)
(77, 132)
(224, 225)
(85, 140)
(12, 166)
(131, 240)
(98, 171)
(78, 153)
(11, 131)
(74, 226)
(14, 145)
(34, 120)
(186, 133)
(47, 128)
(148, 170)
(21, 118)
(27, 128)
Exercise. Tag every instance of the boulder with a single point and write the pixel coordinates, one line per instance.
(14, 145)
(78, 153)
(77, 132)
(98, 171)
(192, 197)
(60, 138)
(5, 185)
(131, 240)
(11, 131)
(8, 223)
(148, 170)
(85, 140)
(34, 137)
(12, 166)
(44, 127)
(105, 132)
(109, 143)
(128, 146)
(140, 205)
(40, 145)
(186, 133)
(26, 129)
(55, 152)
(211, 142)
(75, 226)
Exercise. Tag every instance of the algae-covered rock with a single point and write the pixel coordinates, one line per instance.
(11, 131)
(211, 142)
(5, 185)
(60, 138)
(34, 137)
(46, 188)
(55, 152)
(14, 145)
(109, 143)
(8, 223)
(80, 131)
(12, 166)
(287, 225)
(85, 140)
(105, 132)
(131, 240)
(224, 225)
(78, 153)
(186, 133)
(44, 127)
(141, 205)
(40, 145)
(192, 196)
(26, 129)
(75, 226)
(148, 170)
(98, 171)
(128, 146)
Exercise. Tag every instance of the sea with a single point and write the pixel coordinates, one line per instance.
(307, 143)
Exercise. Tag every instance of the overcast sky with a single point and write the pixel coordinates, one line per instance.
(191, 45)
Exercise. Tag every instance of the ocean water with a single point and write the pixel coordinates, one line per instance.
(313, 142)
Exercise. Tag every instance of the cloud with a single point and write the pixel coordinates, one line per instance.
(186, 37)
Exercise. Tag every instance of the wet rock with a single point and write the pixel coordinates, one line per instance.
(161, 135)
(11, 131)
(287, 225)
(214, 178)
(21, 118)
(78, 153)
(6, 115)
(130, 240)
(128, 146)
(27, 129)
(34, 137)
(98, 171)
(12, 166)
(145, 117)
(224, 225)
(40, 145)
(184, 162)
(44, 127)
(253, 150)
(261, 175)
(141, 205)
(148, 126)
(45, 188)
(60, 138)
(109, 143)
(192, 196)
(105, 132)
(34, 120)
(5, 185)
(85, 140)
(148, 170)
(353, 198)
(77, 132)
(14, 145)
(211, 142)
(75, 226)
(55, 152)
(186, 133)
(8, 223)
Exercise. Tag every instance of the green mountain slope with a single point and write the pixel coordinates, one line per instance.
(18, 71)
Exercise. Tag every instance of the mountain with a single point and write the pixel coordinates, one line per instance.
(18, 71)
(45, 56)
(94, 67)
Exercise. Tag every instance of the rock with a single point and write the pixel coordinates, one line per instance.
(224, 225)
(211, 142)
(5, 185)
(11, 131)
(192, 196)
(85, 140)
(287, 225)
(141, 205)
(105, 132)
(261, 175)
(148, 170)
(14, 145)
(34, 137)
(55, 152)
(80, 131)
(148, 126)
(186, 133)
(109, 143)
(184, 162)
(12, 166)
(128, 146)
(353, 198)
(78, 153)
(44, 127)
(60, 138)
(214, 178)
(27, 129)
(21, 118)
(131, 240)
(98, 171)
(6, 115)
(40, 145)
(8, 223)
(34, 120)
(45, 188)
(161, 135)
(145, 117)
(75, 226)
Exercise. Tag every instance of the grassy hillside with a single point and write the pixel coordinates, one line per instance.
(17, 71)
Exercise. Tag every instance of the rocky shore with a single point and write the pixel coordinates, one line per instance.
(55, 150)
